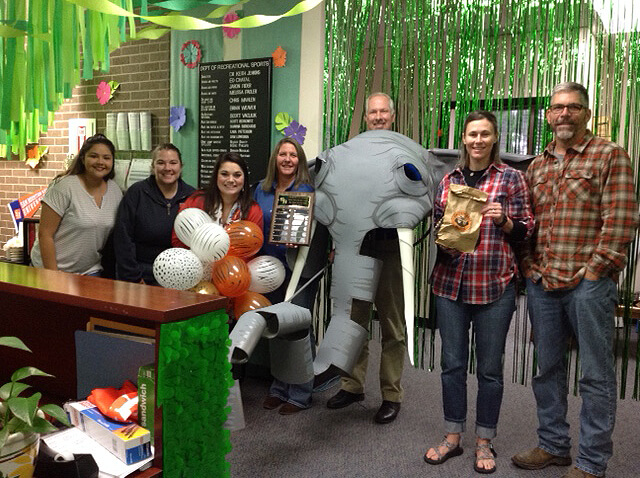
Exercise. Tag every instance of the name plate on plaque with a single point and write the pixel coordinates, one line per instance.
(291, 218)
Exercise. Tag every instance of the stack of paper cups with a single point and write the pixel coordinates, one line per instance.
(145, 130)
(110, 131)
(122, 130)
(134, 130)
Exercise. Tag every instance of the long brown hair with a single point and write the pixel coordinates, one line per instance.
(302, 171)
(212, 197)
(78, 167)
(495, 150)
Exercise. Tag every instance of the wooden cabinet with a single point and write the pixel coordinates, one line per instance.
(44, 308)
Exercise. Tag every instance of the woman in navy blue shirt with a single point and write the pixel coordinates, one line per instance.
(146, 214)
(287, 171)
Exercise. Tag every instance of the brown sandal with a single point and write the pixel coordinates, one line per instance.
(453, 449)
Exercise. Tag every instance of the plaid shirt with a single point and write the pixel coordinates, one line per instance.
(481, 277)
(586, 213)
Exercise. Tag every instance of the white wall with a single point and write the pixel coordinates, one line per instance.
(311, 78)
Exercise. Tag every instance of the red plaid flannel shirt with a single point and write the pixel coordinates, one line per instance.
(586, 213)
(481, 277)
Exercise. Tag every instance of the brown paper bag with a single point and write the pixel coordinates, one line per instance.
(459, 228)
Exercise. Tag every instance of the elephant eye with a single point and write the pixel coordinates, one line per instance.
(411, 176)
(412, 172)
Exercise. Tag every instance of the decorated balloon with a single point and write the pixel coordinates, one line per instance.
(245, 238)
(248, 301)
(267, 274)
(187, 221)
(205, 287)
(210, 242)
(231, 276)
(177, 268)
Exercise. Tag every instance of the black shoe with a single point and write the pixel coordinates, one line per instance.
(387, 412)
(343, 399)
(326, 379)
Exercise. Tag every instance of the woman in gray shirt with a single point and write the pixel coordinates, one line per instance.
(79, 211)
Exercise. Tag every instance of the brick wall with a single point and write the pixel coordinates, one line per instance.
(142, 69)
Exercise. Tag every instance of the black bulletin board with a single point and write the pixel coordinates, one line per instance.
(235, 114)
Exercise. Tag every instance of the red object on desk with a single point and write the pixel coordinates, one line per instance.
(110, 401)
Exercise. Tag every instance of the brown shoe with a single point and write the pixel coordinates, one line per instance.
(271, 402)
(578, 473)
(289, 409)
(537, 459)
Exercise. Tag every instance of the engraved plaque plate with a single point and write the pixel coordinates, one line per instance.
(291, 218)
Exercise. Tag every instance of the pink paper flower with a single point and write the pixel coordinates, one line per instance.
(230, 32)
(103, 92)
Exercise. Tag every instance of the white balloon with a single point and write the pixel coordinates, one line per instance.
(187, 221)
(177, 268)
(267, 274)
(210, 242)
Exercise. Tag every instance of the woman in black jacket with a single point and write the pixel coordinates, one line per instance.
(146, 215)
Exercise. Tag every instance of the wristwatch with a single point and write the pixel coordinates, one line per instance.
(504, 221)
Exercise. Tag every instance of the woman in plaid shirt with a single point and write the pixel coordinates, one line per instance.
(478, 287)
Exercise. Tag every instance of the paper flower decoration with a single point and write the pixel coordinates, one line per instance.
(190, 54)
(279, 57)
(177, 117)
(296, 131)
(105, 91)
(283, 120)
(230, 32)
(35, 153)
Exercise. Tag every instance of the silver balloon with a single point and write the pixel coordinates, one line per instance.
(267, 274)
(210, 242)
(177, 268)
(187, 221)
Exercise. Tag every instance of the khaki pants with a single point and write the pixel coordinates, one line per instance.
(390, 305)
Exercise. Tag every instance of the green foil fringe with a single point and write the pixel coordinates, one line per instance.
(194, 377)
(442, 59)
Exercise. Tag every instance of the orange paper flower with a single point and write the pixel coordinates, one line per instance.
(279, 57)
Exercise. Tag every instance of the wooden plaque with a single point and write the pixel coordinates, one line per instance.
(291, 218)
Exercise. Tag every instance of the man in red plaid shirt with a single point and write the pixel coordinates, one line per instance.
(586, 216)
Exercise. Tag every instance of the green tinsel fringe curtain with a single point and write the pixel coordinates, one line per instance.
(442, 59)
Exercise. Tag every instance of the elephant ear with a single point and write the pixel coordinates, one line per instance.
(319, 167)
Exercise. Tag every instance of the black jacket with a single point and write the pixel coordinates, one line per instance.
(143, 228)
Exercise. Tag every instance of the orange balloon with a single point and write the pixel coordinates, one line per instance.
(231, 276)
(245, 238)
(248, 301)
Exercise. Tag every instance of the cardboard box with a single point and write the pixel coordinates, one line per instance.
(110, 434)
(147, 396)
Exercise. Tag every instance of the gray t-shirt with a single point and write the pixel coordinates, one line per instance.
(84, 226)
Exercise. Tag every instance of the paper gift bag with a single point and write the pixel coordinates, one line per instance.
(459, 228)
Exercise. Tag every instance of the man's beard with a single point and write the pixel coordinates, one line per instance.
(565, 133)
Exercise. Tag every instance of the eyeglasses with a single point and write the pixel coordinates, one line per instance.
(573, 108)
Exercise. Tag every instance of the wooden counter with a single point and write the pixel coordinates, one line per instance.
(44, 308)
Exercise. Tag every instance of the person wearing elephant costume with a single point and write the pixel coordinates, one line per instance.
(381, 244)
(378, 179)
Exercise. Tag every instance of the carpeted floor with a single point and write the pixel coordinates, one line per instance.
(347, 443)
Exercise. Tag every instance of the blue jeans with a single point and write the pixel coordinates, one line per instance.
(490, 324)
(588, 311)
